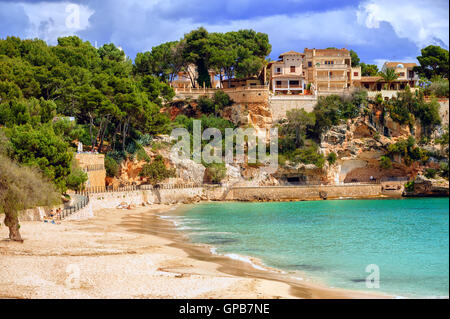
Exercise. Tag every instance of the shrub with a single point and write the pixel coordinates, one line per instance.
(377, 136)
(308, 155)
(409, 186)
(331, 158)
(111, 167)
(430, 173)
(215, 172)
(443, 170)
(281, 159)
(76, 179)
(156, 171)
(145, 140)
(222, 99)
(22, 187)
(439, 87)
(206, 105)
(385, 162)
(142, 155)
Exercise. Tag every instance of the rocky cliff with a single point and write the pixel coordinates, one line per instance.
(425, 187)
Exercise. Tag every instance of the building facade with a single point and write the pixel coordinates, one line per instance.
(405, 77)
(287, 75)
(330, 70)
(187, 78)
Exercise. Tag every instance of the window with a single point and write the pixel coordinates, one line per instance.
(292, 68)
(278, 70)
(401, 74)
(355, 73)
(278, 83)
(309, 64)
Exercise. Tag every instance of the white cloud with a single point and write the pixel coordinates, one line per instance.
(339, 27)
(423, 22)
(50, 20)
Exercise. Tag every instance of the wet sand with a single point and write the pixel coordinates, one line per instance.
(134, 254)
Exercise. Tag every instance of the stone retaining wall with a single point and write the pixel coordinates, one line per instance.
(154, 196)
(279, 105)
(277, 193)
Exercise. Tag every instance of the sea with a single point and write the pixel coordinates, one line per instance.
(398, 247)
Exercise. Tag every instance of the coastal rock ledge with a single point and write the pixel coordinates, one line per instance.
(425, 187)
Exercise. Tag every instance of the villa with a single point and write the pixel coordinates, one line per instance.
(330, 70)
(314, 72)
(287, 75)
(404, 71)
(326, 70)
(185, 78)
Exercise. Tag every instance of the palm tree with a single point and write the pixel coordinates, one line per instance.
(388, 76)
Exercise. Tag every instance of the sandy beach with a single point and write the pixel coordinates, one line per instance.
(124, 253)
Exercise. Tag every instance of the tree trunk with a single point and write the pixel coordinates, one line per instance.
(99, 133)
(124, 136)
(103, 135)
(91, 124)
(12, 222)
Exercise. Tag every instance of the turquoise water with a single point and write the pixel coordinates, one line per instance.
(334, 241)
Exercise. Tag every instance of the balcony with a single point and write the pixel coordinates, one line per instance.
(285, 86)
(333, 66)
(332, 78)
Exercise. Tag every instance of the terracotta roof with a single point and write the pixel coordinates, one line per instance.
(370, 78)
(240, 80)
(378, 78)
(394, 64)
(290, 53)
(273, 62)
(328, 50)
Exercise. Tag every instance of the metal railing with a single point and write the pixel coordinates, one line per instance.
(132, 188)
(66, 212)
(332, 66)
(331, 78)
(212, 90)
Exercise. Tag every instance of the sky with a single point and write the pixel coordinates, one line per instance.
(378, 30)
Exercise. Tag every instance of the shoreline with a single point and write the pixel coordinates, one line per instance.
(135, 254)
(244, 265)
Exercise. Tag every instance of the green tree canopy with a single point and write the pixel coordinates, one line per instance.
(355, 58)
(369, 69)
(433, 62)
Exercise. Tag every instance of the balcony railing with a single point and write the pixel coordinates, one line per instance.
(332, 66)
(285, 86)
(332, 78)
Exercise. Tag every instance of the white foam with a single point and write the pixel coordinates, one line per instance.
(246, 260)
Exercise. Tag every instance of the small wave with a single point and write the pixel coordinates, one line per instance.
(298, 278)
(246, 260)
(203, 231)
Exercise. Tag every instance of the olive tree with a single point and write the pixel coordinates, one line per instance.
(21, 187)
